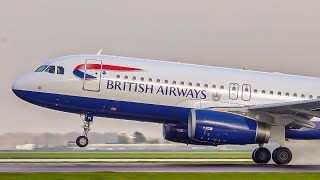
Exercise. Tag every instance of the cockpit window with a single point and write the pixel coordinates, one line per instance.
(51, 69)
(41, 68)
(60, 70)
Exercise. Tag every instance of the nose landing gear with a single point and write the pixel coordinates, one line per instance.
(83, 141)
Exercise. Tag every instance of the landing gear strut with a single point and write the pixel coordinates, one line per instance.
(281, 155)
(83, 141)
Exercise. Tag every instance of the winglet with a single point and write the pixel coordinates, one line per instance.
(100, 51)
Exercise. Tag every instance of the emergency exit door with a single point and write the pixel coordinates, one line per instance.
(233, 91)
(246, 92)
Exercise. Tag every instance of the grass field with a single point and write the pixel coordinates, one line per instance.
(125, 155)
(154, 176)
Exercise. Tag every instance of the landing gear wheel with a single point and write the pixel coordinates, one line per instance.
(82, 141)
(252, 156)
(282, 155)
(261, 155)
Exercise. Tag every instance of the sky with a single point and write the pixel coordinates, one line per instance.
(274, 36)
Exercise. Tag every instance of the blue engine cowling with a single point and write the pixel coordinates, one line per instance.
(226, 128)
(179, 134)
(303, 133)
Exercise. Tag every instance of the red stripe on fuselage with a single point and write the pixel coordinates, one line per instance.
(105, 67)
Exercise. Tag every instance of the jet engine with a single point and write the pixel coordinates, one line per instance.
(179, 134)
(226, 128)
(304, 133)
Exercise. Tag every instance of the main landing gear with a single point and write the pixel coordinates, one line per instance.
(83, 141)
(261, 155)
(280, 156)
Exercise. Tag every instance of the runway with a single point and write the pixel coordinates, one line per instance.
(119, 160)
(152, 168)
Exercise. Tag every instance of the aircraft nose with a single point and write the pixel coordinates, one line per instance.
(17, 84)
(23, 83)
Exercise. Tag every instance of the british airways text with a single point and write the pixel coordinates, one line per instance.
(152, 89)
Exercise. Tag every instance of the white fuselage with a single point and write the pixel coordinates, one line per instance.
(165, 84)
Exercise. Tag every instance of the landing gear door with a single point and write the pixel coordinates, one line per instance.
(92, 75)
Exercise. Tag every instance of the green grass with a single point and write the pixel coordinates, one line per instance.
(125, 155)
(154, 176)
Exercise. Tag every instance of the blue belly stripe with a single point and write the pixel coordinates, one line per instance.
(107, 108)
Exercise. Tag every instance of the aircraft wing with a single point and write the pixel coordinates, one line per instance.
(296, 112)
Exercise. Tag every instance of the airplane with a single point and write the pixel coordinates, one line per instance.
(197, 104)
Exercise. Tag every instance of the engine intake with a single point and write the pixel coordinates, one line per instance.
(226, 128)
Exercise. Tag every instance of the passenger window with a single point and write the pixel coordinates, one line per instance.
(310, 97)
(142, 79)
(134, 78)
(221, 87)
(190, 84)
(279, 93)
(271, 92)
(118, 76)
(198, 84)
(60, 70)
(255, 91)
(287, 94)
(206, 85)
(166, 81)
(125, 77)
(214, 86)
(150, 79)
(158, 80)
(51, 69)
(174, 82)
(318, 97)
(295, 95)
(182, 83)
(303, 96)
(263, 91)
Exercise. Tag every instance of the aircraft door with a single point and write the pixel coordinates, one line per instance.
(233, 91)
(246, 92)
(92, 75)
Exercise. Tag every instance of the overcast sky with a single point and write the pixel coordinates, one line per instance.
(271, 35)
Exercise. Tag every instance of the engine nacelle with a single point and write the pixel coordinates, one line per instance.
(226, 128)
(179, 134)
(304, 133)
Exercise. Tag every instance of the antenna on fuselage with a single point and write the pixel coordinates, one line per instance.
(100, 51)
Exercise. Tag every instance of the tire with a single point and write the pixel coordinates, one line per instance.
(274, 156)
(252, 156)
(82, 141)
(261, 156)
(282, 156)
